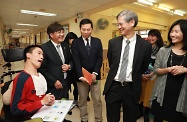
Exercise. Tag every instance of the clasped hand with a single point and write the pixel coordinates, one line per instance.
(177, 70)
(65, 67)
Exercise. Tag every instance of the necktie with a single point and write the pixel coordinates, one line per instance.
(123, 70)
(60, 54)
(87, 47)
(62, 58)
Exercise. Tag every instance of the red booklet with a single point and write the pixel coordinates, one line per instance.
(87, 75)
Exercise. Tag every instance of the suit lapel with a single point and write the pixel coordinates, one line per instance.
(119, 48)
(92, 43)
(64, 50)
(53, 50)
(136, 51)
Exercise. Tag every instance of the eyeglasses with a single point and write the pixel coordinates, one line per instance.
(119, 24)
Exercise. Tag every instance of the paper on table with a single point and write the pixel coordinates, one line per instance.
(87, 76)
(54, 113)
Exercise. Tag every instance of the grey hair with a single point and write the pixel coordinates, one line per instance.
(128, 16)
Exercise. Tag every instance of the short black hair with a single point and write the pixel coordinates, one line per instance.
(29, 49)
(54, 27)
(69, 36)
(85, 21)
(183, 26)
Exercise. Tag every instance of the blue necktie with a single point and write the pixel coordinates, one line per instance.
(87, 46)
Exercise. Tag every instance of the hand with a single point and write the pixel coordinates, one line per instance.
(169, 69)
(58, 85)
(146, 76)
(65, 67)
(93, 77)
(83, 80)
(48, 99)
(52, 100)
(177, 70)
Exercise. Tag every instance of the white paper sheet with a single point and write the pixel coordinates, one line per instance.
(54, 113)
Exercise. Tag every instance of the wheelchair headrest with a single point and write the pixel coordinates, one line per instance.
(11, 55)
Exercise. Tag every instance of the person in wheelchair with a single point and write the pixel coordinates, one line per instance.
(28, 92)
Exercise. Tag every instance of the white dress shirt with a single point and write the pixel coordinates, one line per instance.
(55, 44)
(130, 58)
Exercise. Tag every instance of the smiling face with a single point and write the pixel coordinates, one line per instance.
(35, 57)
(152, 39)
(125, 28)
(57, 36)
(176, 34)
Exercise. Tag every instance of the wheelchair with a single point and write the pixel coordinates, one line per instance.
(9, 55)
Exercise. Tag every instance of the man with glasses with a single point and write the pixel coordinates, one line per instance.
(128, 57)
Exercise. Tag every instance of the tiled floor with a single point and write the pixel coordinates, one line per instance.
(75, 117)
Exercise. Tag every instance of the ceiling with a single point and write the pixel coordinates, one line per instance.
(10, 10)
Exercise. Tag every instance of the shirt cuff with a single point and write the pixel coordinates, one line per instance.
(69, 67)
(81, 78)
(95, 73)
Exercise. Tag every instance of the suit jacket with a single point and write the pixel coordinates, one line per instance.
(141, 61)
(51, 66)
(91, 63)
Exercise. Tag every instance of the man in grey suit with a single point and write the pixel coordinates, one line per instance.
(57, 61)
(128, 57)
(88, 53)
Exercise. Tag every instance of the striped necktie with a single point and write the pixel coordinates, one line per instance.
(123, 70)
(60, 54)
(62, 58)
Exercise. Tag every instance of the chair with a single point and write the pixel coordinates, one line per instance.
(9, 55)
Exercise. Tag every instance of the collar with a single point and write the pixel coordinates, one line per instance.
(89, 38)
(55, 44)
(131, 39)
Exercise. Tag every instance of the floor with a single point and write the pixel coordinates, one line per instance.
(75, 117)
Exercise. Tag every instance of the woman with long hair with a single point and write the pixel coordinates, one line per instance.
(155, 38)
(71, 79)
(169, 96)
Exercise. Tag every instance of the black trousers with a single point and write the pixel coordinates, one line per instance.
(118, 96)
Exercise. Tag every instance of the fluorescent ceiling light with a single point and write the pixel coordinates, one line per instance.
(164, 8)
(170, 13)
(26, 24)
(19, 32)
(180, 13)
(146, 2)
(37, 13)
(137, 3)
(153, 1)
(21, 29)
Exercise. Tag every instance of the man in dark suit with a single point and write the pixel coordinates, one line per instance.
(57, 61)
(88, 53)
(123, 84)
